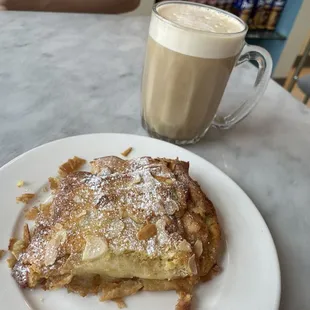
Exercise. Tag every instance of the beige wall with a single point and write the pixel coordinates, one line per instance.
(298, 35)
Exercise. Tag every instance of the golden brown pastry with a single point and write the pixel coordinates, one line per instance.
(127, 226)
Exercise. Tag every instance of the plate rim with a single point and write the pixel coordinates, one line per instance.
(273, 248)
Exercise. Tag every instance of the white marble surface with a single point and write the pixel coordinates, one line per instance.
(63, 75)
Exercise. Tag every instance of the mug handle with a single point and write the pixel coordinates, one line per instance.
(264, 61)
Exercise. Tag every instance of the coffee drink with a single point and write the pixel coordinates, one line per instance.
(191, 52)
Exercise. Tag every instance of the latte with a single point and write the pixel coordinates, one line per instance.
(191, 52)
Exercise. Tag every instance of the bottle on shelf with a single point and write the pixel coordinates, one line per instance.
(243, 9)
(257, 15)
(275, 13)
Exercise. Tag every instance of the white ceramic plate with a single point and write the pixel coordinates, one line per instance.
(250, 279)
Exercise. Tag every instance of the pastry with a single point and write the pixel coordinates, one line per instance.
(126, 226)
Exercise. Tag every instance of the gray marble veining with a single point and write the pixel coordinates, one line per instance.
(63, 75)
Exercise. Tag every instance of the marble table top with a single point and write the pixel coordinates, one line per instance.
(64, 75)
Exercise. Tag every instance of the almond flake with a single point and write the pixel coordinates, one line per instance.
(198, 248)
(136, 179)
(146, 232)
(192, 265)
(25, 198)
(32, 213)
(11, 261)
(171, 207)
(51, 250)
(95, 247)
(184, 246)
(73, 164)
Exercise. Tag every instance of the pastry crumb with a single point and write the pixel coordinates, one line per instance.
(71, 165)
(54, 183)
(120, 303)
(184, 302)
(42, 299)
(11, 243)
(127, 152)
(26, 235)
(11, 261)
(20, 183)
(32, 213)
(25, 198)
(45, 208)
(2, 252)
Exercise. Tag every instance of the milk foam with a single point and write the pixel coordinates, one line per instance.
(219, 35)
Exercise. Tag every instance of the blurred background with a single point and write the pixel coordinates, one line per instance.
(280, 26)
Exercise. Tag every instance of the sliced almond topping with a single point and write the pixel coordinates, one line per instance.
(105, 171)
(17, 248)
(25, 198)
(136, 179)
(162, 234)
(11, 261)
(62, 236)
(26, 235)
(146, 232)
(95, 247)
(161, 225)
(51, 250)
(11, 244)
(184, 246)
(172, 165)
(54, 183)
(127, 152)
(192, 264)
(198, 248)
(73, 164)
(191, 226)
(45, 208)
(171, 207)
(169, 181)
(32, 213)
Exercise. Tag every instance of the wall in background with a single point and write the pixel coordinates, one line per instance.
(297, 37)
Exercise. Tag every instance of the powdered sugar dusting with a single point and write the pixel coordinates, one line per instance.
(138, 194)
(112, 206)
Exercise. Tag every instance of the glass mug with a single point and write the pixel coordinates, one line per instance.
(191, 51)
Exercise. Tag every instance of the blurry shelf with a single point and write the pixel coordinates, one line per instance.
(265, 35)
